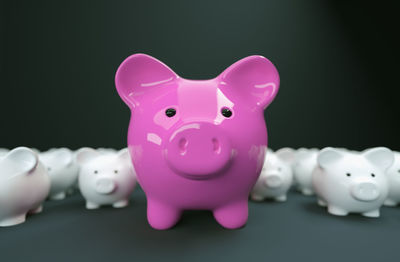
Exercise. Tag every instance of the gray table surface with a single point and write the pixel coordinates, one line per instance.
(297, 230)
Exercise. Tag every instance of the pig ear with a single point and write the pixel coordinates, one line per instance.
(139, 74)
(286, 154)
(63, 156)
(328, 156)
(381, 157)
(253, 78)
(21, 160)
(124, 155)
(85, 155)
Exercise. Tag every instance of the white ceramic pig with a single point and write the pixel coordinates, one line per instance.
(24, 185)
(3, 151)
(275, 178)
(104, 150)
(62, 169)
(393, 176)
(105, 179)
(348, 182)
(305, 162)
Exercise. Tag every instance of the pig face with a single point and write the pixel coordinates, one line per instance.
(276, 176)
(353, 182)
(185, 132)
(21, 175)
(105, 178)
(276, 170)
(62, 169)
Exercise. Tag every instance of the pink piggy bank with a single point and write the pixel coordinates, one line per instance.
(197, 144)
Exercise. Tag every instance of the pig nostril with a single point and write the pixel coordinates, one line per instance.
(216, 146)
(183, 145)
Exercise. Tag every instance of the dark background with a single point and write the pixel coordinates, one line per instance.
(338, 63)
(337, 60)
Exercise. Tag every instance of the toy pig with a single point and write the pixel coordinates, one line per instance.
(24, 185)
(197, 144)
(276, 176)
(348, 182)
(62, 169)
(3, 151)
(393, 176)
(306, 160)
(105, 179)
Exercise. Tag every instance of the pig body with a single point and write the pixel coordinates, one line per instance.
(24, 185)
(197, 144)
(276, 177)
(105, 179)
(393, 176)
(62, 169)
(306, 161)
(349, 182)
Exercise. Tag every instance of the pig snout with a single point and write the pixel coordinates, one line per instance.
(105, 186)
(198, 150)
(273, 180)
(365, 191)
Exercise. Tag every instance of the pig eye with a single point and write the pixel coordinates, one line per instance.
(279, 168)
(373, 175)
(115, 171)
(348, 174)
(49, 169)
(226, 112)
(96, 172)
(170, 112)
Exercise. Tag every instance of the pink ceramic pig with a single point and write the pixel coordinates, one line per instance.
(197, 144)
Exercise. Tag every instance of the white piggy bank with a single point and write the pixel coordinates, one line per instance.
(305, 162)
(105, 179)
(348, 182)
(62, 169)
(24, 185)
(393, 176)
(3, 151)
(275, 178)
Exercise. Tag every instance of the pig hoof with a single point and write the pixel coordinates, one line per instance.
(12, 221)
(307, 192)
(121, 204)
(389, 203)
(36, 210)
(232, 216)
(374, 213)
(162, 216)
(321, 203)
(90, 205)
(59, 196)
(337, 211)
(281, 198)
(256, 198)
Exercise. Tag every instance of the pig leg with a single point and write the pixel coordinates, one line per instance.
(36, 210)
(281, 198)
(121, 203)
(307, 192)
(321, 202)
(12, 221)
(389, 203)
(373, 213)
(256, 197)
(91, 205)
(59, 196)
(337, 211)
(162, 216)
(233, 215)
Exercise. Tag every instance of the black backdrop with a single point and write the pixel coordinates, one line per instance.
(337, 61)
